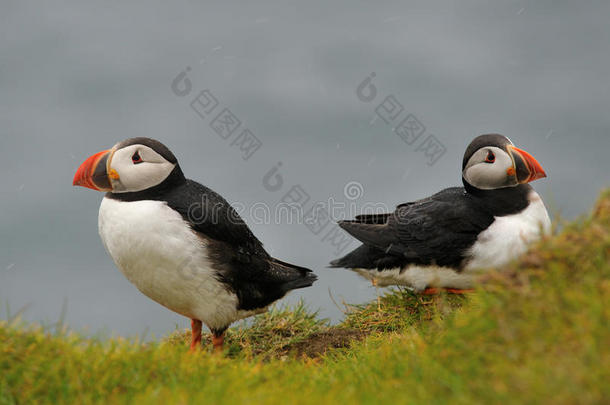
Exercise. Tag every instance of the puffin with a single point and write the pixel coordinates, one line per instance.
(445, 241)
(180, 243)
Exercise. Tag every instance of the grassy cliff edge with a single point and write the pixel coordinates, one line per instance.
(537, 331)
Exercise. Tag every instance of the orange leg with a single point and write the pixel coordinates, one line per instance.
(195, 334)
(218, 341)
(458, 291)
(433, 291)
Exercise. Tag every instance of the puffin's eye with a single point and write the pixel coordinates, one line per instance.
(136, 158)
(490, 157)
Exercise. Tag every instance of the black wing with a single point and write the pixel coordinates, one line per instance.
(212, 216)
(372, 218)
(239, 257)
(436, 230)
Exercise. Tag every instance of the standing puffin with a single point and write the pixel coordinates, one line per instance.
(179, 242)
(443, 241)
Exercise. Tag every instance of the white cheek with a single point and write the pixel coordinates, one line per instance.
(141, 176)
(488, 176)
(485, 176)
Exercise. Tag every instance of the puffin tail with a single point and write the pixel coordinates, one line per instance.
(355, 258)
(367, 257)
(293, 276)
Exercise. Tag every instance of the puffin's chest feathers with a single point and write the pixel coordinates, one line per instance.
(157, 251)
(509, 236)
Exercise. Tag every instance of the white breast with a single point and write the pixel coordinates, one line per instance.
(419, 277)
(508, 237)
(158, 252)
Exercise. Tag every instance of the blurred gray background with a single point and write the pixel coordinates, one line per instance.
(78, 76)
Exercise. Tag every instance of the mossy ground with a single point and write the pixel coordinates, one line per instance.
(537, 331)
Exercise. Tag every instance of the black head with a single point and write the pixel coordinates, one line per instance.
(152, 144)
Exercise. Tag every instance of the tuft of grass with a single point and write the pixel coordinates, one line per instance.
(266, 335)
(401, 309)
(537, 331)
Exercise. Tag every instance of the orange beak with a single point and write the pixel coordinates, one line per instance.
(93, 173)
(526, 167)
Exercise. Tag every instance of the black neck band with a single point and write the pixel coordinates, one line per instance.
(175, 179)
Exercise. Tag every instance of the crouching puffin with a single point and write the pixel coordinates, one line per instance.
(443, 241)
(179, 242)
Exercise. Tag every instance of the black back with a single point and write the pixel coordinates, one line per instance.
(437, 230)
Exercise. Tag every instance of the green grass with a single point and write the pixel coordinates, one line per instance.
(537, 331)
